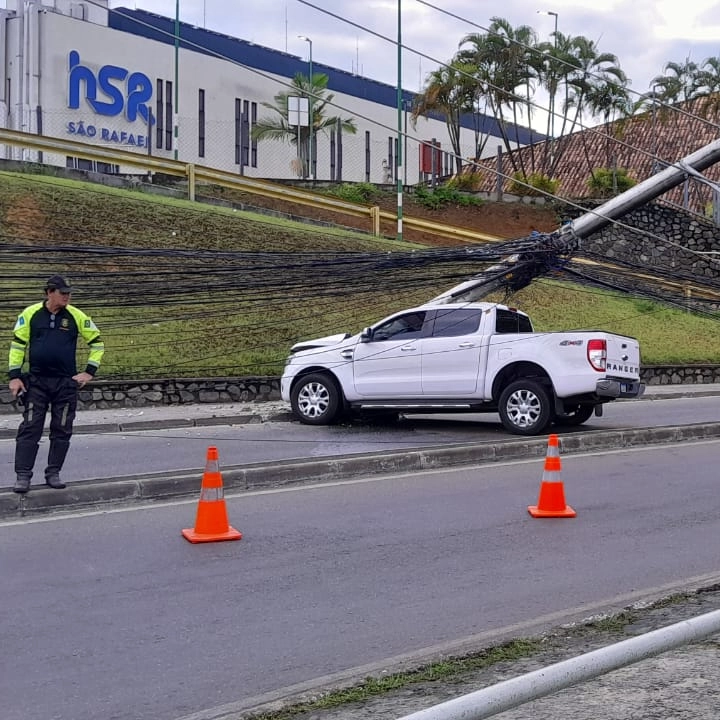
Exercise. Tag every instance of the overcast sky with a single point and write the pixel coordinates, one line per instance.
(644, 34)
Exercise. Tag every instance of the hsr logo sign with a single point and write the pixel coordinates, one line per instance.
(129, 92)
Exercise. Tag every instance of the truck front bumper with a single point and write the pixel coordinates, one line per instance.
(619, 388)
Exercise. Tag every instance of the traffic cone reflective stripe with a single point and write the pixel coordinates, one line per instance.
(551, 501)
(211, 522)
(210, 494)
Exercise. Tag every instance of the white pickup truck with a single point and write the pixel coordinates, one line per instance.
(469, 357)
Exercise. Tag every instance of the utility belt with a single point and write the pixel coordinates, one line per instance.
(28, 380)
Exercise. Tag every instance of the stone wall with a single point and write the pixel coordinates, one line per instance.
(104, 394)
(676, 241)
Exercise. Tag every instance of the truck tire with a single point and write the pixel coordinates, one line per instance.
(577, 416)
(316, 399)
(525, 407)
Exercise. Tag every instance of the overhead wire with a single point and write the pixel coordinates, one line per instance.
(346, 273)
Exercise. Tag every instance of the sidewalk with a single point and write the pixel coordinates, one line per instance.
(196, 415)
(165, 416)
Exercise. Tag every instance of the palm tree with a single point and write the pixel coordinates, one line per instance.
(450, 91)
(503, 68)
(709, 76)
(680, 83)
(592, 78)
(610, 100)
(279, 128)
(555, 62)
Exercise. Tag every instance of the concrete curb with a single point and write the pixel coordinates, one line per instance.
(184, 483)
(163, 424)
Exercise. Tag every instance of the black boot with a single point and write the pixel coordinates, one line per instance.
(25, 453)
(56, 457)
(22, 484)
(54, 482)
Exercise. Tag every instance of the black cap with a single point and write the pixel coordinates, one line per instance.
(57, 282)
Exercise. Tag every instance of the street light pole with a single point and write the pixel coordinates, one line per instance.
(310, 109)
(176, 116)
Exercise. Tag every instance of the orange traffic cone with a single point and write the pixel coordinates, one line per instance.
(551, 502)
(211, 522)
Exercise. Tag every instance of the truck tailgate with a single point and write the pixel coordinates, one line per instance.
(623, 357)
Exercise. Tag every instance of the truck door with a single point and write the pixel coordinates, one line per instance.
(451, 352)
(388, 366)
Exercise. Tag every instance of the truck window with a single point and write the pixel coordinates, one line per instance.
(509, 321)
(403, 327)
(456, 321)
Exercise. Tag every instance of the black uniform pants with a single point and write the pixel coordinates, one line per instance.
(59, 394)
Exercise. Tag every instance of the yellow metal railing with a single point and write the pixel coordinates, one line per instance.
(195, 174)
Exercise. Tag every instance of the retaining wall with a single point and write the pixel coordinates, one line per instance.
(669, 239)
(103, 394)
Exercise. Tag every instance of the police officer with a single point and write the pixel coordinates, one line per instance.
(46, 336)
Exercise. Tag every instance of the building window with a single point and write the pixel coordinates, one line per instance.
(238, 129)
(253, 142)
(245, 150)
(395, 160)
(245, 134)
(159, 116)
(79, 11)
(170, 120)
(201, 123)
(97, 166)
(367, 156)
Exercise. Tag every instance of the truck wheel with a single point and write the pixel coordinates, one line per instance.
(315, 399)
(576, 416)
(525, 407)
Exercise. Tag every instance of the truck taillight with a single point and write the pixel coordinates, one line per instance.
(597, 354)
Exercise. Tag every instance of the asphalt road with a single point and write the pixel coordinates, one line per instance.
(113, 614)
(108, 455)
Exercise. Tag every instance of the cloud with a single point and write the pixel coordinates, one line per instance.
(644, 34)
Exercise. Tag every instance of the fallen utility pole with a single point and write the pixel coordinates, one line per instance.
(552, 250)
(642, 193)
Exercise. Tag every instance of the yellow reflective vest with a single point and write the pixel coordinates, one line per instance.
(48, 343)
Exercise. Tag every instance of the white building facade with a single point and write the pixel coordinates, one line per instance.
(120, 78)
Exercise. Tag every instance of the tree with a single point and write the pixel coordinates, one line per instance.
(709, 77)
(504, 70)
(680, 83)
(450, 90)
(279, 128)
(610, 101)
(592, 79)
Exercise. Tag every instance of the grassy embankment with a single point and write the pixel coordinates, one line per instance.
(155, 327)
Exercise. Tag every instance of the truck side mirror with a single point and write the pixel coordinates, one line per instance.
(366, 335)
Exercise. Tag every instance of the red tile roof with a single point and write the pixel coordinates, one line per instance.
(635, 144)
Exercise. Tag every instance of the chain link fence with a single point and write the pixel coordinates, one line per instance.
(372, 154)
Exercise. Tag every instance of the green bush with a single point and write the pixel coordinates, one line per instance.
(363, 193)
(466, 181)
(443, 195)
(602, 184)
(533, 184)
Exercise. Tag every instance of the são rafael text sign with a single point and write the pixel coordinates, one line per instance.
(111, 92)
